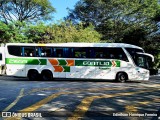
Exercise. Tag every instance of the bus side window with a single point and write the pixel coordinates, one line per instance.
(100, 53)
(117, 53)
(79, 52)
(112, 56)
(90, 53)
(58, 52)
(29, 51)
(0, 56)
(15, 50)
(69, 52)
(45, 51)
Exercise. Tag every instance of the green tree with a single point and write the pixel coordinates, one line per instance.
(38, 33)
(115, 18)
(25, 10)
(4, 32)
(13, 32)
(61, 32)
(68, 32)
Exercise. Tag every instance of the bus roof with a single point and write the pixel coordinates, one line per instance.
(75, 44)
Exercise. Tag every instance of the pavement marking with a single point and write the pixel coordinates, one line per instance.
(151, 85)
(64, 89)
(144, 102)
(41, 102)
(15, 101)
(53, 96)
(131, 108)
(92, 89)
(83, 107)
(156, 100)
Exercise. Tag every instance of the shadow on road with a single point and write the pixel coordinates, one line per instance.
(11, 78)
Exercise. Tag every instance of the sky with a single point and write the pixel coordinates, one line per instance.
(60, 6)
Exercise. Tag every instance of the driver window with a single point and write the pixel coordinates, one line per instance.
(140, 62)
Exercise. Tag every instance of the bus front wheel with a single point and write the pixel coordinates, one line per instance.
(121, 77)
(33, 75)
(47, 75)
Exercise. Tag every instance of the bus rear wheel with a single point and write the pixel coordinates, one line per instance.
(121, 77)
(33, 75)
(47, 75)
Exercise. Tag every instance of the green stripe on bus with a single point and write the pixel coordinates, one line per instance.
(26, 61)
(66, 69)
(96, 63)
(62, 62)
(118, 63)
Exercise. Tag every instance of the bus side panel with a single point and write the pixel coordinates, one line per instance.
(138, 74)
(104, 73)
(15, 70)
(81, 72)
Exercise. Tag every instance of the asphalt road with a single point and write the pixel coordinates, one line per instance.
(73, 100)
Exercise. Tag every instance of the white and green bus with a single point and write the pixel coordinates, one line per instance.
(113, 61)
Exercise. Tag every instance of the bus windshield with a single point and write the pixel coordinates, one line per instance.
(144, 60)
(141, 61)
(140, 58)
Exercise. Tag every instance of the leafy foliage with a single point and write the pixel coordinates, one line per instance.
(115, 18)
(12, 33)
(53, 33)
(62, 32)
(25, 10)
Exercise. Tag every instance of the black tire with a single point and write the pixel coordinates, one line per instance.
(121, 77)
(47, 75)
(33, 75)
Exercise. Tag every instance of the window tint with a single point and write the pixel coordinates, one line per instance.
(45, 51)
(133, 50)
(100, 53)
(58, 52)
(29, 51)
(15, 50)
(0, 56)
(110, 53)
(68, 52)
(140, 61)
(79, 52)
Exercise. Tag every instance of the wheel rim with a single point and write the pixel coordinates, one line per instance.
(122, 77)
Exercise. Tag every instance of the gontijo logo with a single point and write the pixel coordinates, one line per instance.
(13, 61)
(96, 63)
(27, 61)
(107, 63)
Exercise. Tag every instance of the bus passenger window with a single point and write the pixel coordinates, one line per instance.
(112, 56)
(58, 52)
(100, 52)
(117, 53)
(14, 50)
(120, 57)
(79, 52)
(45, 51)
(0, 56)
(29, 51)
